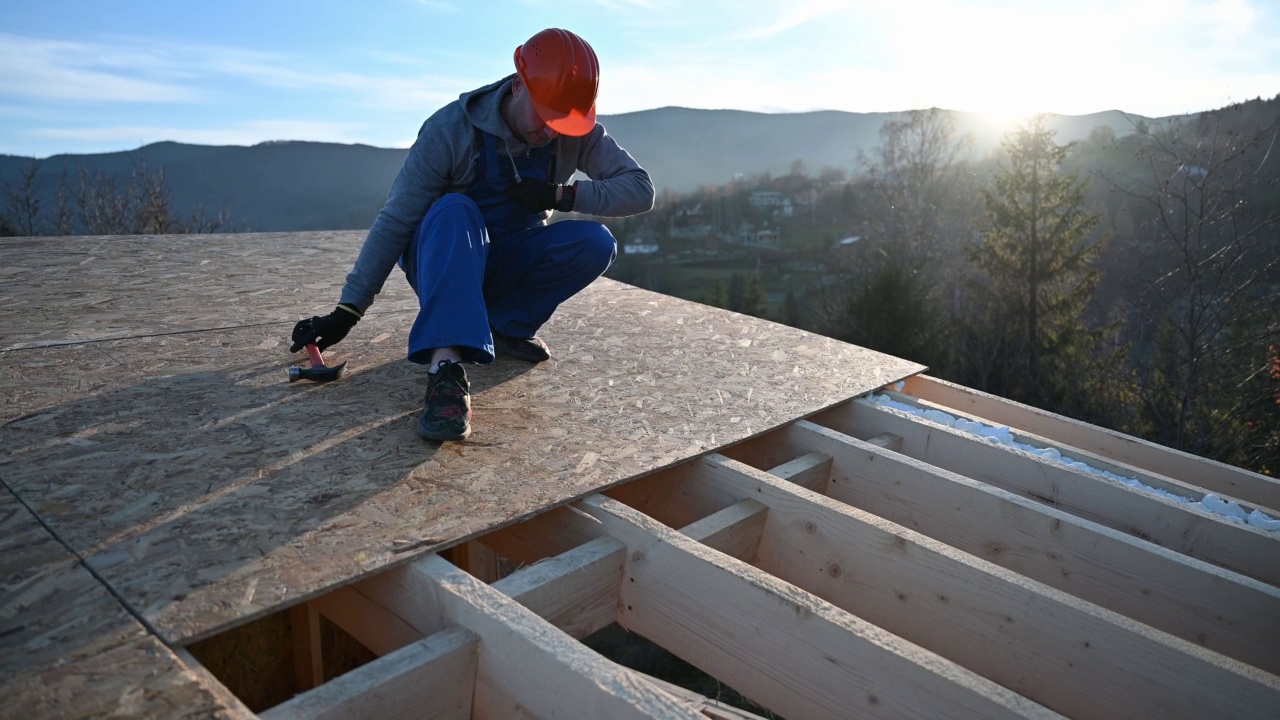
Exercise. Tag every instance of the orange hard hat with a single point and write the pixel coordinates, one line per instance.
(562, 75)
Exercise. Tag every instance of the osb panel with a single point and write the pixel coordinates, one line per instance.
(208, 490)
(51, 609)
(66, 289)
(142, 679)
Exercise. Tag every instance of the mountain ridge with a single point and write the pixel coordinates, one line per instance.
(284, 185)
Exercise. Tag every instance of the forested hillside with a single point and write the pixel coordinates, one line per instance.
(1131, 279)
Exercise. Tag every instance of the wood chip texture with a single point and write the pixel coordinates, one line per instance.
(146, 417)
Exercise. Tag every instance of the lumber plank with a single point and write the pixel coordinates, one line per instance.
(785, 648)
(545, 535)
(432, 678)
(668, 494)
(526, 665)
(1176, 526)
(1202, 472)
(577, 591)
(366, 621)
(810, 471)
(308, 663)
(734, 531)
(1146, 477)
(478, 559)
(1218, 609)
(1072, 656)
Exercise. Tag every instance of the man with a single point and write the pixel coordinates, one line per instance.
(466, 219)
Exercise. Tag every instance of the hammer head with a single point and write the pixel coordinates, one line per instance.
(318, 371)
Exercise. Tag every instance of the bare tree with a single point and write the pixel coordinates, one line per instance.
(1209, 320)
(63, 213)
(22, 202)
(921, 181)
(104, 207)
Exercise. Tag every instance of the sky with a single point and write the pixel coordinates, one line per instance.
(105, 75)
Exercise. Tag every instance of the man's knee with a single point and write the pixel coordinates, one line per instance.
(599, 245)
(454, 216)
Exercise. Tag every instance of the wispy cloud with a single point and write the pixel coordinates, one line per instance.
(86, 72)
(135, 70)
(795, 15)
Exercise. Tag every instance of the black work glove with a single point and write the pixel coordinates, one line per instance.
(537, 195)
(327, 330)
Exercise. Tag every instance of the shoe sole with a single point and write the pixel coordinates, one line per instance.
(443, 436)
(506, 349)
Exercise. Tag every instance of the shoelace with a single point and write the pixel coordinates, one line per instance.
(445, 374)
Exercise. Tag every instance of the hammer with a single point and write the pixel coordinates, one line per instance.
(318, 370)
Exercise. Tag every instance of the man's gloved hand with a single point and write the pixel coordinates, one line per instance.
(537, 195)
(327, 330)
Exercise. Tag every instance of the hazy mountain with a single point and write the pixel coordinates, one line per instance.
(282, 186)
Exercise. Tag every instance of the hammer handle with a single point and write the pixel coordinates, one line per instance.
(313, 352)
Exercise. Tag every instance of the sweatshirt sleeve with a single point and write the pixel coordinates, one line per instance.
(423, 178)
(618, 186)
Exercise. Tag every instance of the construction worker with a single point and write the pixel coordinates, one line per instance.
(466, 219)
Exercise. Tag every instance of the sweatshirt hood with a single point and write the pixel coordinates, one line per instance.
(482, 107)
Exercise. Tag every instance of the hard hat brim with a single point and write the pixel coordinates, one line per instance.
(573, 124)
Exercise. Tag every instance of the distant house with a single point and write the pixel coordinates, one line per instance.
(640, 246)
(749, 235)
(779, 204)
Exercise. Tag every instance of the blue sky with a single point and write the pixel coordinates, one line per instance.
(110, 75)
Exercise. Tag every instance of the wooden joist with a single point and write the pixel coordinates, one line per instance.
(1056, 649)
(577, 591)
(1174, 486)
(526, 665)
(1169, 523)
(431, 678)
(1210, 606)
(854, 577)
(836, 665)
(1201, 472)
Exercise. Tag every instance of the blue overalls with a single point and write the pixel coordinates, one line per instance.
(480, 260)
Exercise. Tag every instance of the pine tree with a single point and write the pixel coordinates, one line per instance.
(1034, 268)
(754, 300)
(718, 295)
(737, 292)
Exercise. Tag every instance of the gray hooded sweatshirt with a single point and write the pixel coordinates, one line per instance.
(444, 159)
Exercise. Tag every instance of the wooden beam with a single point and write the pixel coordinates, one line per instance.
(478, 559)
(526, 665)
(1058, 650)
(1169, 523)
(366, 621)
(788, 650)
(1199, 602)
(888, 441)
(542, 536)
(668, 496)
(577, 591)
(431, 678)
(1198, 471)
(308, 663)
(734, 531)
(713, 709)
(808, 471)
(1162, 482)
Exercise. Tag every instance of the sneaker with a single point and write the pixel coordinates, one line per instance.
(446, 414)
(531, 349)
